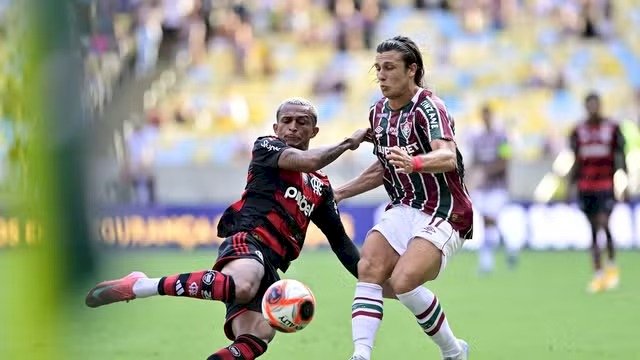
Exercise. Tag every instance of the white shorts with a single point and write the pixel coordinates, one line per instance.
(489, 202)
(400, 224)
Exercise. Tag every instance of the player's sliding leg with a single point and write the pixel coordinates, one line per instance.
(419, 264)
(239, 280)
(375, 266)
(205, 284)
(252, 342)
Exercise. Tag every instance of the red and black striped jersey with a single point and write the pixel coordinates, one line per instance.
(596, 146)
(412, 128)
(277, 205)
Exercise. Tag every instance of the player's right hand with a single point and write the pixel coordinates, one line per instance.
(358, 137)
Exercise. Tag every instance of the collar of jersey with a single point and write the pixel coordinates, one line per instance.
(408, 106)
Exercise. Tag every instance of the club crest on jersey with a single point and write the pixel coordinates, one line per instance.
(314, 182)
(316, 185)
(406, 129)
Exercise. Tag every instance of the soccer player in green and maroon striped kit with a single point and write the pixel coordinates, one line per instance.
(429, 216)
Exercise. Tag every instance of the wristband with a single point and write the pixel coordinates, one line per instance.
(416, 163)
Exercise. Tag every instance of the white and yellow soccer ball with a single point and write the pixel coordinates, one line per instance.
(288, 305)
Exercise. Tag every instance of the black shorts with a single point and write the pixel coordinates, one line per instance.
(592, 203)
(246, 246)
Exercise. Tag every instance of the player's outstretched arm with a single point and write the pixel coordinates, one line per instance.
(441, 159)
(327, 219)
(368, 180)
(317, 158)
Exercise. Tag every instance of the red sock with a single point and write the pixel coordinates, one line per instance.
(246, 347)
(206, 284)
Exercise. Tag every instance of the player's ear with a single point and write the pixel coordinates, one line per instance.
(413, 69)
(275, 127)
(315, 131)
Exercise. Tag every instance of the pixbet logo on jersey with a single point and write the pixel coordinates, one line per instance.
(304, 204)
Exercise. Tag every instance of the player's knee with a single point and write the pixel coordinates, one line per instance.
(371, 271)
(404, 281)
(246, 290)
(489, 221)
(602, 220)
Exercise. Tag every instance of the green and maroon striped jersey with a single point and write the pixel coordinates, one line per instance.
(412, 128)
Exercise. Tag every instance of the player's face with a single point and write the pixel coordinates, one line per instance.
(486, 117)
(295, 126)
(394, 77)
(593, 106)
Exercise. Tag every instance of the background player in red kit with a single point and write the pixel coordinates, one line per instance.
(264, 232)
(598, 146)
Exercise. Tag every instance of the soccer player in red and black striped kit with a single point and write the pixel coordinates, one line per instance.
(264, 232)
(598, 145)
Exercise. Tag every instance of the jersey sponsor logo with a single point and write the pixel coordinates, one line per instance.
(432, 114)
(304, 204)
(411, 148)
(208, 277)
(594, 150)
(603, 134)
(265, 144)
(393, 131)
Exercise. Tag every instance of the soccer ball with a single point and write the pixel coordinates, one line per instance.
(288, 305)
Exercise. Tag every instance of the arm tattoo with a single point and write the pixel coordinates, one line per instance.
(313, 159)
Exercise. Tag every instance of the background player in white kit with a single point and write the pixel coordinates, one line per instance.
(489, 171)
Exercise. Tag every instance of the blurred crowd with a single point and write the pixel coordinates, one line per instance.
(220, 67)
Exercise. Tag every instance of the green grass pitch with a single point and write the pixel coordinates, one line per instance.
(538, 311)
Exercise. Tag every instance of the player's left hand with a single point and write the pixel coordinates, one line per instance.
(401, 160)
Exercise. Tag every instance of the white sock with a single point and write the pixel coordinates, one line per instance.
(426, 307)
(145, 287)
(491, 240)
(366, 315)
